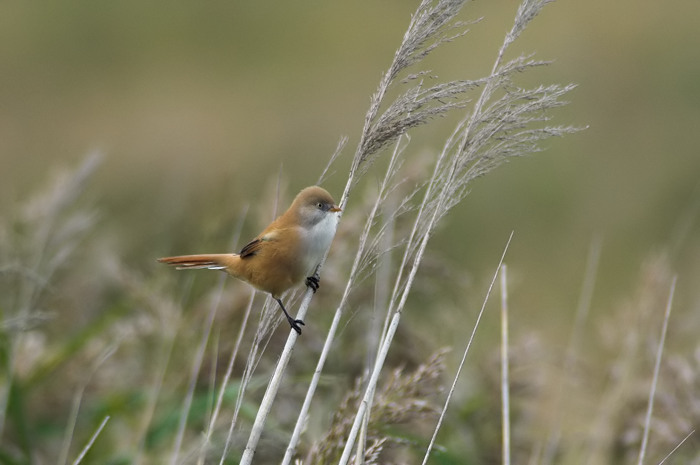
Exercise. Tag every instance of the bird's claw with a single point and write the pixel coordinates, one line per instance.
(295, 324)
(313, 283)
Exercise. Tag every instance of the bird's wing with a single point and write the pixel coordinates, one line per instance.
(252, 247)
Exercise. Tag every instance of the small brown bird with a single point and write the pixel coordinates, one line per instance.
(285, 253)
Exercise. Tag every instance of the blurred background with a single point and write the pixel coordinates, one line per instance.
(200, 108)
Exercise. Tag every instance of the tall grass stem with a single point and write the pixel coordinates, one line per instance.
(505, 389)
(451, 392)
(655, 379)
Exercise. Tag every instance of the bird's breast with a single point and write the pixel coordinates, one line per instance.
(317, 239)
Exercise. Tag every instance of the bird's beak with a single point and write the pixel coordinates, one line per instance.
(335, 208)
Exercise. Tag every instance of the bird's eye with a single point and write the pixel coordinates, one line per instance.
(320, 205)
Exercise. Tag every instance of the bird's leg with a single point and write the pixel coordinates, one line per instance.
(313, 282)
(292, 322)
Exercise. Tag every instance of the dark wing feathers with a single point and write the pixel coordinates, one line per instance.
(251, 248)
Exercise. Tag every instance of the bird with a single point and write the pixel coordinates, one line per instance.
(284, 254)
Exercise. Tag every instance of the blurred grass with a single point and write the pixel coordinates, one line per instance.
(198, 107)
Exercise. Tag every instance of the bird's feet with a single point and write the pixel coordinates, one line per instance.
(295, 324)
(292, 322)
(313, 282)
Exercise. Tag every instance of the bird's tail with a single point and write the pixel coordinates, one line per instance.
(222, 261)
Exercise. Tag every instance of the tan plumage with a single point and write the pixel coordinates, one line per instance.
(281, 256)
